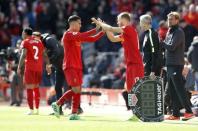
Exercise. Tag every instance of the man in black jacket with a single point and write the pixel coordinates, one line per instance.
(175, 44)
(192, 58)
(55, 53)
(151, 48)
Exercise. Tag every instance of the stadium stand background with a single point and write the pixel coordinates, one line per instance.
(103, 60)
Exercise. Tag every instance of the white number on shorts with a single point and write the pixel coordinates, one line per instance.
(36, 52)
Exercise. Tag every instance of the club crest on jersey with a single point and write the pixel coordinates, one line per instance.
(74, 33)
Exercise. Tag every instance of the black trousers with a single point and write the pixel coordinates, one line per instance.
(178, 94)
(59, 83)
(147, 70)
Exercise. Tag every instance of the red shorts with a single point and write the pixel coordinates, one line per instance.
(133, 73)
(32, 77)
(73, 76)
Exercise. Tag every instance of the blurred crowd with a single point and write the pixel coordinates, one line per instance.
(51, 15)
(103, 63)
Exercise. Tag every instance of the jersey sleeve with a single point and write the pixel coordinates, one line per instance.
(23, 45)
(126, 32)
(126, 29)
(92, 38)
(79, 36)
(121, 37)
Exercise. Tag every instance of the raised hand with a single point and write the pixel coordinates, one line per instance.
(95, 21)
(105, 27)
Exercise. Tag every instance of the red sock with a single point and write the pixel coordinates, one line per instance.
(75, 102)
(37, 97)
(66, 96)
(30, 98)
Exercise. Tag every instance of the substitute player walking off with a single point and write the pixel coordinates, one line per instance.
(32, 52)
(72, 63)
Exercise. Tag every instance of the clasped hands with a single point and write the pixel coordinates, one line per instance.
(100, 24)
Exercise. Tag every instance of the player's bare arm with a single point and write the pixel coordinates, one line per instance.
(113, 38)
(21, 61)
(107, 27)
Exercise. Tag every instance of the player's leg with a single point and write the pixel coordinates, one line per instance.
(125, 96)
(76, 87)
(30, 98)
(36, 98)
(28, 78)
(128, 85)
(74, 79)
(67, 95)
(133, 73)
(59, 81)
(75, 103)
(37, 80)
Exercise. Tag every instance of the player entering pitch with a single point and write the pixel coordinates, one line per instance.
(72, 63)
(129, 39)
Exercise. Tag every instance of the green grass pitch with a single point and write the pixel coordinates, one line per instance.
(14, 119)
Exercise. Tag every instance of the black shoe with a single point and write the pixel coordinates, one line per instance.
(128, 108)
(18, 103)
(52, 114)
(80, 110)
(12, 103)
(61, 113)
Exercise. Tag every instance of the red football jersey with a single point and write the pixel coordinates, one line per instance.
(72, 47)
(34, 56)
(131, 45)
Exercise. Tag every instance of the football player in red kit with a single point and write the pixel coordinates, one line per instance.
(72, 63)
(32, 52)
(129, 39)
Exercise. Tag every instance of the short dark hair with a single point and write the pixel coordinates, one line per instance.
(73, 18)
(28, 30)
(125, 15)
